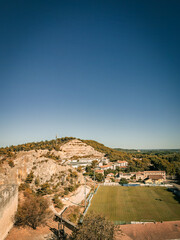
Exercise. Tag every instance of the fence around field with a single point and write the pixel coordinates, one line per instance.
(133, 222)
(135, 185)
(143, 221)
(89, 203)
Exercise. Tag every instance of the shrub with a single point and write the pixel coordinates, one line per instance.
(44, 190)
(33, 212)
(37, 181)
(58, 203)
(11, 163)
(30, 177)
(24, 186)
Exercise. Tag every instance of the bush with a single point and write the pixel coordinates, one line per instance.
(30, 177)
(11, 163)
(44, 190)
(58, 203)
(24, 186)
(37, 181)
(33, 212)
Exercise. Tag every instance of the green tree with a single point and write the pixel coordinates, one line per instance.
(123, 181)
(94, 163)
(94, 227)
(99, 177)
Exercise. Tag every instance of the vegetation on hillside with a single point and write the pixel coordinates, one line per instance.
(33, 212)
(167, 160)
(111, 153)
(157, 161)
(49, 145)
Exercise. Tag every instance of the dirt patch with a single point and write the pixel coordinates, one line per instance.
(41, 233)
(150, 231)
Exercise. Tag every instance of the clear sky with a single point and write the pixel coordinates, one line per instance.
(102, 70)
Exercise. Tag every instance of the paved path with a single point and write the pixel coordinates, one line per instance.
(75, 199)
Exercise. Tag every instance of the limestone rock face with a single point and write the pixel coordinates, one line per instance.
(45, 167)
(77, 148)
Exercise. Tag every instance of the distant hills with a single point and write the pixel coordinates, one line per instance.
(149, 151)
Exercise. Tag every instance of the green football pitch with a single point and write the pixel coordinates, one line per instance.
(136, 204)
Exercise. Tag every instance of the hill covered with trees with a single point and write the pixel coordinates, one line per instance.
(42, 145)
(167, 160)
(111, 153)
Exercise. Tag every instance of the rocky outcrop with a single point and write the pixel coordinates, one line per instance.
(76, 148)
(48, 166)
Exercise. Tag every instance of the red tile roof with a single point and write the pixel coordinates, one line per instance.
(105, 166)
(154, 172)
(122, 161)
(99, 171)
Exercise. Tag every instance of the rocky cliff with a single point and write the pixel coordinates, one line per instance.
(76, 148)
(47, 166)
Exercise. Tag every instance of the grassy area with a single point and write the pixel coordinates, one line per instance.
(136, 203)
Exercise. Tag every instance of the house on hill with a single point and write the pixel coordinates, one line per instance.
(100, 171)
(120, 164)
(106, 167)
(109, 178)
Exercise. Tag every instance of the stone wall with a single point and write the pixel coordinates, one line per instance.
(8, 208)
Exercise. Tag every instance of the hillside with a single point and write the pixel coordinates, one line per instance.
(46, 161)
(111, 153)
(58, 152)
(67, 151)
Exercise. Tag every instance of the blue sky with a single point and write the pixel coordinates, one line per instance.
(102, 70)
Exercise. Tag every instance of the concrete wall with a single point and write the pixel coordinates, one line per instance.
(8, 208)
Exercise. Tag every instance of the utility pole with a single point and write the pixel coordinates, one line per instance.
(61, 233)
(56, 139)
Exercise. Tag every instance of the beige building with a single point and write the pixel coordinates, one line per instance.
(148, 174)
(156, 179)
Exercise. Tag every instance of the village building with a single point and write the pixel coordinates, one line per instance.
(127, 176)
(100, 171)
(150, 173)
(147, 174)
(106, 167)
(154, 179)
(151, 177)
(76, 164)
(120, 164)
(109, 178)
(139, 176)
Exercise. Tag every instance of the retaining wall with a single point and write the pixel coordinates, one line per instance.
(8, 208)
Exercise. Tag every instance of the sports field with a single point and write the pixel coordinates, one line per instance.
(136, 203)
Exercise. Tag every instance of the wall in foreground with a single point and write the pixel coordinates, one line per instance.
(8, 208)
